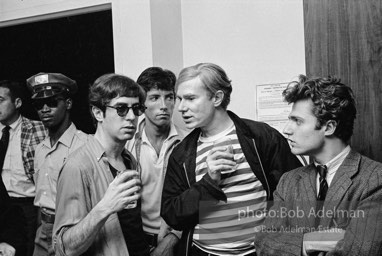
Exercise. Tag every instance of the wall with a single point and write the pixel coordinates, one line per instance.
(344, 38)
(255, 41)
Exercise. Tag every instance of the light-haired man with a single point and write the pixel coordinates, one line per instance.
(206, 187)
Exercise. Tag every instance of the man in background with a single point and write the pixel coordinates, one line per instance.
(206, 187)
(52, 100)
(334, 205)
(152, 145)
(19, 138)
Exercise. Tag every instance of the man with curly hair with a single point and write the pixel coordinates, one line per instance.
(333, 205)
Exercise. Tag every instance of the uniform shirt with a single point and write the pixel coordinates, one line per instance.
(13, 174)
(49, 161)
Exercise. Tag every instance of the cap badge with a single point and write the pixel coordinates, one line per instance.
(41, 79)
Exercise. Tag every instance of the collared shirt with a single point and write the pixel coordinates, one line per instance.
(332, 166)
(153, 171)
(13, 174)
(48, 163)
(82, 183)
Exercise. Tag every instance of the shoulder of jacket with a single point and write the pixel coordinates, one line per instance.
(179, 151)
(30, 124)
(370, 164)
(259, 126)
(259, 131)
(295, 174)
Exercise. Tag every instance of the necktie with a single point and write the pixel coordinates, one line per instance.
(322, 171)
(4, 141)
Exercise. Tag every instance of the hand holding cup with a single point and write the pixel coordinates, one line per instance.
(221, 159)
(122, 191)
(132, 204)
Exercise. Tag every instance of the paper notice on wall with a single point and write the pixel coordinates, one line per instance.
(273, 110)
(270, 106)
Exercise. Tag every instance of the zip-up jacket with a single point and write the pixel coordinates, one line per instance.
(266, 151)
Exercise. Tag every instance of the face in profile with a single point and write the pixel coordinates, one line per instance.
(159, 107)
(195, 104)
(303, 135)
(8, 107)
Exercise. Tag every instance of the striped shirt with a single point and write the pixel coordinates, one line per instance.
(228, 228)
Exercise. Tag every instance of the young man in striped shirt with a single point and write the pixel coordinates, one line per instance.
(216, 197)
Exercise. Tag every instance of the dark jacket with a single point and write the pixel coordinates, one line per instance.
(266, 151)
(12, 223)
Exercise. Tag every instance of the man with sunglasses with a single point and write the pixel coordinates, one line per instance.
(52, 100)
(152, 145)
(19, 138)
(100, 180)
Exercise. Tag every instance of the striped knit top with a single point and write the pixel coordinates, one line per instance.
(228, 228)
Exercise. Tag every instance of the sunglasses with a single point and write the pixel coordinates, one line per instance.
(50, 102)
(123, 109)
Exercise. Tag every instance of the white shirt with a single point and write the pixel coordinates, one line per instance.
(153, 171)
(332, 166)
(13, 174)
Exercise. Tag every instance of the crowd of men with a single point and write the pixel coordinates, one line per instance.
(143, 186)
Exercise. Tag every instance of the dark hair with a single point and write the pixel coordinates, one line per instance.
(14, 87)
(332, 100)
(157, 78)
(109, 86)
(212, 77)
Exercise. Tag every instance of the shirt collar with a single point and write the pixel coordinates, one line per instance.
(96, 147)
(65, 139)
(335, 162)
(15, 124)
(99, 150)
(142, 133)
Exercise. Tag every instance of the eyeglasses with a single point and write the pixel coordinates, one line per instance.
(122, 110)
(50, 102)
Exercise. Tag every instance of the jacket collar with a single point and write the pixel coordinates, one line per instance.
(190, 141)
(185, 152)
(341, 182)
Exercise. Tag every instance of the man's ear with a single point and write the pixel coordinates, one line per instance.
(331, 126)
(218, 98)
(69, 103)
(18, 103)
(98, 114)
